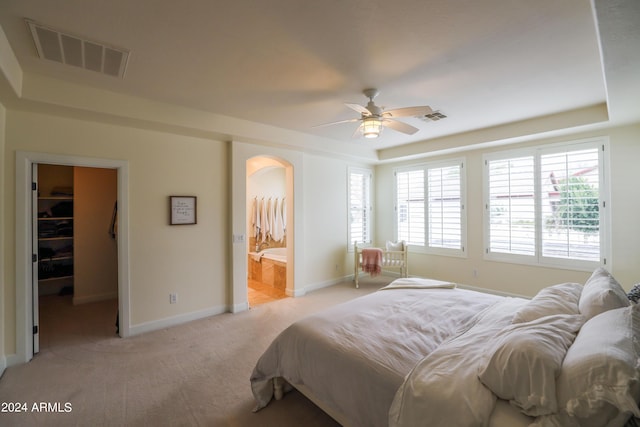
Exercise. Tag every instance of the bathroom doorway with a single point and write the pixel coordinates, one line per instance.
(266, 230)
(243, 163)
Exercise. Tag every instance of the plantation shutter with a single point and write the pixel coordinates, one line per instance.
(512, 206)
(359, 206)
(444, 207)
(570, 183)
(410, 209)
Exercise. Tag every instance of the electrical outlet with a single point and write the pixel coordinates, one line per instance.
(238, 238)
(173, 298)
(475, 273)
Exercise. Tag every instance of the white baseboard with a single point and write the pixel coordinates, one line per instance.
(175, 320)
(315, 286)
(386, 273)
(94, 298)
(389, 273)
(239, 307)
(295, 292)
(12, 360)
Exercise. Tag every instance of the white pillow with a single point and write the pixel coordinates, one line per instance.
(601, 293)
(397, 246)
(556, 299)
(599, 383)
(524, 361)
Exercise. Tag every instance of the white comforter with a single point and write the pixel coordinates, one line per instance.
(446, 381)
(354, 357)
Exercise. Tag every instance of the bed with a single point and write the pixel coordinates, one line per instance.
(424, 352)
(394, 256)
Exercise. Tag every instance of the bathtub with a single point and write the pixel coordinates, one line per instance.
(269, 267)
(275, 254)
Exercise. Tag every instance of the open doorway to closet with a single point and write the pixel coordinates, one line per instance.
(76, 278)
(26, 244)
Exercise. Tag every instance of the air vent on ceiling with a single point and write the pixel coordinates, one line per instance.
(69, 49)
(433, 117)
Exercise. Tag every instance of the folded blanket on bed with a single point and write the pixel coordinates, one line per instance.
(419, 283)
(372, 261)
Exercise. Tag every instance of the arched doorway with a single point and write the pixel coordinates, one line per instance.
(244, 159)
(266, 230)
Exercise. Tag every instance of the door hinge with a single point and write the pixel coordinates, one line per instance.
(34, 257)
(34, 186)
(35, 329)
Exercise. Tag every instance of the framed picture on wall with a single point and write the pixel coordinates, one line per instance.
(182, 210)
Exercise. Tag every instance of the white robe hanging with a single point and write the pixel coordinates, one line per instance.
(270, 216)
(283, 211)
(264, 224)
(255, 218)
(278, 229)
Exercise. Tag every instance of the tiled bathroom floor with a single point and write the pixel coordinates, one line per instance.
(260, 293)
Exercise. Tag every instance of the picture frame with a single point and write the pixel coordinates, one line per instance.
(182, 210)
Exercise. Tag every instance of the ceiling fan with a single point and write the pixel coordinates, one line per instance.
(374, 118)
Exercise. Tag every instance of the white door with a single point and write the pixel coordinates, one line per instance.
(34, 257)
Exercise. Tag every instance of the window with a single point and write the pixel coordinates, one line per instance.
(545, 205)
(511, 205)
(359, 206)
(410, 206)
(429, 207)
(570, 193)
(444, 207)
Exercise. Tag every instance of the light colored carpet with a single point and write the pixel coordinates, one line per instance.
(195, 374)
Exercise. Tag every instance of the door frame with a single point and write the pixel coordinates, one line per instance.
(24, 236)
(240, 153)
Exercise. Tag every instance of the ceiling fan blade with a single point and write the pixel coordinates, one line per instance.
(409, 111)
(336, 123)
(359, 108)
(357, 133)
(400, 126)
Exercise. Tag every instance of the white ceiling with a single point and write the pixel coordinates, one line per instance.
(292, 64)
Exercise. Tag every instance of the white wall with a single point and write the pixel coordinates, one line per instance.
(325, 210)
(268, 182)
(625, 204)
(95, 251)
(317, 236)
(521, 279)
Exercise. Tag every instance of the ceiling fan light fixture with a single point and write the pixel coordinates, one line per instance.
(371, 127)
(373, 118)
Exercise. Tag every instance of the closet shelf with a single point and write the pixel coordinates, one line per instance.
(55, 237)
(51, 279)
(55, 198)
(48, 239)
(57, 258)
(55, 218)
